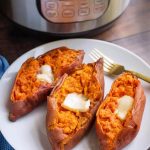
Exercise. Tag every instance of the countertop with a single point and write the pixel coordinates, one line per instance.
(131, 30)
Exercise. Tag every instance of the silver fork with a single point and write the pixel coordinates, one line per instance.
(112, 68)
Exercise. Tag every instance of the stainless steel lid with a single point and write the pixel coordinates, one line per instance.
(63, 16)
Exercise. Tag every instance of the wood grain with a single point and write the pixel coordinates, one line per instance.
(139, 44)
(131, 30)
(134, 20)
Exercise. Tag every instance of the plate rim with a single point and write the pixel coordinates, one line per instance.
(72, 39)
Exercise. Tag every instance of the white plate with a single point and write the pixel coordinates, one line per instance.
(28, 133)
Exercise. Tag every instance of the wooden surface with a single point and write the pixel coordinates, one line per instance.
(131, 30)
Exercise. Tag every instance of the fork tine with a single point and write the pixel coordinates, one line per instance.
(108, 59)
(106, 66)
(98, 55)
(94, 56)
(106, 70)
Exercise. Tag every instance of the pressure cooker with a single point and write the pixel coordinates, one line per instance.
(63, 17)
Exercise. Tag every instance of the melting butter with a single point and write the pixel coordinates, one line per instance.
(76, 102)
(125, 104)
(45, 74)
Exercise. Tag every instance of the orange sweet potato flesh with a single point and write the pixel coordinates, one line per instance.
(65, 128)
(113, 133)
(28, 92)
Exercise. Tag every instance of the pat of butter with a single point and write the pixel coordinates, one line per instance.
(124, 106)
(45, 74)
(76, 102)
(45, 69)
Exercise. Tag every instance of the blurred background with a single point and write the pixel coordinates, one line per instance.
(131, 30)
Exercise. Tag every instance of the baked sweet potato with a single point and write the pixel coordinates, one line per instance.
(66, 127)
(32, 87)
(119, 117)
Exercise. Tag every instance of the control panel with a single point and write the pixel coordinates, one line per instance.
(67, 11)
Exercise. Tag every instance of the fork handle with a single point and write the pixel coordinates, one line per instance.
(141, 76)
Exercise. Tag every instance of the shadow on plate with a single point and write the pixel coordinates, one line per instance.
(41, 129)
(92, 138)
(44, 141)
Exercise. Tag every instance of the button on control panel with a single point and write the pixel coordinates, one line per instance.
(99, 6)
(84, 8)
(84, 4)
(51, 5)
(51, 13)
(67, 11)
(84, 11)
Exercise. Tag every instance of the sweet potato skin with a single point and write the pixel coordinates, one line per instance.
(23, 107)
(131, 126)
(56, 135)
(20, 108)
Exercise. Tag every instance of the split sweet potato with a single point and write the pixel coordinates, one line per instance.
(65, 128)
(28, 91)
(114, 132)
